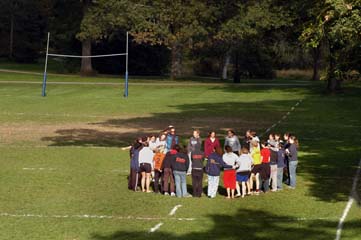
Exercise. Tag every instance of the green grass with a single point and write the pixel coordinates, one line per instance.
(76, 131)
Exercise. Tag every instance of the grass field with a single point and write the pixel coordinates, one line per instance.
(63, 175)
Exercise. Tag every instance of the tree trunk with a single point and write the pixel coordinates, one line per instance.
(86, 63)
(333, 82)
(226, 63)
(11, 43)
(176, 68)
(316, 54)
(236, 74)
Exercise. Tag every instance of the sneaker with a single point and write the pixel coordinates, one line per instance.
(257, 192)
(289, 187)
(172, 194)
(166, 194)
(188, 196)
(238, 195)
(274, 190)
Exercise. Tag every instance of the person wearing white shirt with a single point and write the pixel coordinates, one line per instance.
(145, 166)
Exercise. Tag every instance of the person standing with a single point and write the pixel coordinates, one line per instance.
(232, 141)
(197, 173)
(158, 161)
(292, 154)
(172, 139)
(266, 169)
(145, 166)
(180, 166)
(229, 175)
(134, 166)
(281, 164)
(244, 163)
(257, 166)
(211, 143)
(194, 144)
(273, 146)
(168, 179)
(213, 169)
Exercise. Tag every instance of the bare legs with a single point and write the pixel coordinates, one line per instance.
(145, 183)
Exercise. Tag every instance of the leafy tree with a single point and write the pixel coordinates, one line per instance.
(252, 21)
(175, 24)
(22, 24)
(338, 23)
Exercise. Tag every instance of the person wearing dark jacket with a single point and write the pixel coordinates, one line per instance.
(291, 152)
(194, 144)
(180, 164)
(168, 178)
(197, 172)
(134, 166)
(213, 169)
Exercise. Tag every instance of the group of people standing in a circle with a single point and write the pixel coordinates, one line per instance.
(250, 166)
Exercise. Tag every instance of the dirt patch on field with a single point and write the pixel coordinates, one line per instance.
(115, 132)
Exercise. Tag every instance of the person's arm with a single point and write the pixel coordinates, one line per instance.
(189, 146)
(187, 160)
(225, 142)
(238, 144)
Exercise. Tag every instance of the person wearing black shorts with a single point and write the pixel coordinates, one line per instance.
(145, 166)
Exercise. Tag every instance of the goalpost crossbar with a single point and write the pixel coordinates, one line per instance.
(87, 56)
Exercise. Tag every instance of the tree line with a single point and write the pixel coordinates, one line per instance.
(244, 38)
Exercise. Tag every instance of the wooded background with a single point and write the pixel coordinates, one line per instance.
(226, 38)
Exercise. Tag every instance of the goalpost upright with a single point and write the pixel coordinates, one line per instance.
(43, 93)
(126, 93)
(126, 68)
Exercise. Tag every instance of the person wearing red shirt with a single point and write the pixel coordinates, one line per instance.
(266, 168)
(211, 143)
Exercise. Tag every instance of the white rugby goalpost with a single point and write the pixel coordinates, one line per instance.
(91, 56)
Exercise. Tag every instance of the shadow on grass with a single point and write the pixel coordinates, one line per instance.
(329, 133)
(204, 116)
(246, 224)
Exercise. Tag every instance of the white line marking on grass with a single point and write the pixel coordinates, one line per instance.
(283, 118)
(89, 216)
(156, 227)
(349, 203)
(173, 211)
(39, 169)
